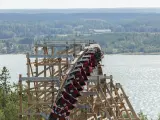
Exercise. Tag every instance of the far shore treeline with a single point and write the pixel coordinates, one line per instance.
(124, 31)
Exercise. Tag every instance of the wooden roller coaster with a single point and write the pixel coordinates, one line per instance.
(65, 81)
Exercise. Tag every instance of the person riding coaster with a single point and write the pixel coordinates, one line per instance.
(76, 79)
(59, 114)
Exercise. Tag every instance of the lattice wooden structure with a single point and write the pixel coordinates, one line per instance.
(47, 71)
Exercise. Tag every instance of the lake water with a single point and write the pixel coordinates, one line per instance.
(139, 75)
(16, 65)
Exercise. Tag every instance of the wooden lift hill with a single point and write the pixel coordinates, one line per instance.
(65, 81)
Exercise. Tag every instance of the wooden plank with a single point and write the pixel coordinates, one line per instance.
(94, 78)
(41, 103)
(99, 116)
(49, 64)
(82, 106)
(29, 114)
(44, 91)
(71, 50)
(50, 45)
(88, 93)
(91, 118)
(48, 79)
(50, 56)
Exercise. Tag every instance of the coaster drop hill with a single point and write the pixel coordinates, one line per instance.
(65, 81)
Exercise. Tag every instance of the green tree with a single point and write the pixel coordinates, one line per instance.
(4, 84)
(142, 116)
(2, 117)
(158, 116)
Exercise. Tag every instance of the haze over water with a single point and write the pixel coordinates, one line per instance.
(139, 75)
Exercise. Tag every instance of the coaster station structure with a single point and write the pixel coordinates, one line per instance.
(65, 81)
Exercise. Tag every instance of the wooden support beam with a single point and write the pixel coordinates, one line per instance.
(91, 118)
(44, 91)
(88, 93)
(29, 97)
(39, 79)
(50, 64)
(59, 70)
(107, 102)
(50, 56)
(129, 104)
(41, 103)
(20, 97)
(30, 114)
(82, 106)
(113, 101)
(43, 71)
(101, 77)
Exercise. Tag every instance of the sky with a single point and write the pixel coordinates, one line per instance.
(58, 4)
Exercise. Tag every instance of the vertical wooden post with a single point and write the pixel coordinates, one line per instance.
(36, 88)
(98, 80)
(36, 61)
(85, 112)
(67, 55)
(20, 97)
(29, 98)
(98, 114)
(98, 83)
(52, 76)
(28, 62)
(28, 83)
(105, 85)
(45, 61)
(45, 51)
(98, 90)
(52, 93)
(74, 49)
(59, 68)
(52, 61)
(111, 85)
(29, 65)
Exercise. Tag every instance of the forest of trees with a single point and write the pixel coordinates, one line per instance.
(127, 32)
(137, 43)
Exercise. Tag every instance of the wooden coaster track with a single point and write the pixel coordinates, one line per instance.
(65, 81)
